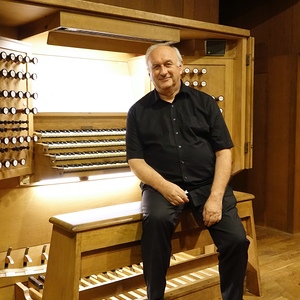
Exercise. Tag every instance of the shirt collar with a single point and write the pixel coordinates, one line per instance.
(183, 89)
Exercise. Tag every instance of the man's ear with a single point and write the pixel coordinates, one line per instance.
(181, 67)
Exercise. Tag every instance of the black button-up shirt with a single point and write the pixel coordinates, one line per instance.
(178, 139)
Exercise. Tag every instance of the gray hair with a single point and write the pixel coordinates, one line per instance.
(153, 47)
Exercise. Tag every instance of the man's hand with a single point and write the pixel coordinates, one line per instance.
(174, 194)
(212, 210)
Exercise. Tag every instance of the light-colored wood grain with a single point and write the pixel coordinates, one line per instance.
(279, 259)
(91, 241)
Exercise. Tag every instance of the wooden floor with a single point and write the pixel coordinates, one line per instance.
(279, 259)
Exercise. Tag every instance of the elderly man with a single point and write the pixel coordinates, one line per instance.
(178, 145)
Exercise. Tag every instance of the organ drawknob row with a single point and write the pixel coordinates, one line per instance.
(13, 163)
(199, 76)
(14, 110)
(17, 75)
(18, 94)
(195, 83)
(195, 71)
(11, 57)
(219, 98)
(18, 139)
(192, 77)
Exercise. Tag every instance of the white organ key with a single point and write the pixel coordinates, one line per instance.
(82, 155)
(82, 133)
(85, 167)
(84, 144)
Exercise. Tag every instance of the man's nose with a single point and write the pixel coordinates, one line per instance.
(163, 70)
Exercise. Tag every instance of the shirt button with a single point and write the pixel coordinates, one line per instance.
(182, 162)
(176, 132)
(179, 146)
(174, 119)
(185, 177)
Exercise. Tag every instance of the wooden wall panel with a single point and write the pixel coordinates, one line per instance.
(254, 179)
(261, 49)
(279, 36)
(280, 141)
(296, 209)
(275, 178)
(202, 10)
(295, 29)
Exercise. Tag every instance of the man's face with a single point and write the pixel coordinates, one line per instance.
(164, 69)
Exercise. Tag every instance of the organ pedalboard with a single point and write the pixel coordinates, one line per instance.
(16, 110)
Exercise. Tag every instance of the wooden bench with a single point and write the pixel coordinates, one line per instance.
(106, 241)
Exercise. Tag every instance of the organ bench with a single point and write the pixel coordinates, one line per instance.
(106, 241)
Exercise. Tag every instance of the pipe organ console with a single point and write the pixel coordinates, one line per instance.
(96, 252)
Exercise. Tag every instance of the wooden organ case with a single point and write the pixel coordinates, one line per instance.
(95, 143)
(80, 145)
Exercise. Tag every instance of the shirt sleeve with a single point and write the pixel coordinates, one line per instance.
(134, 147)
(220, 135)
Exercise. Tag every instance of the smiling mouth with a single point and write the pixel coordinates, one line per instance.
(165, 78)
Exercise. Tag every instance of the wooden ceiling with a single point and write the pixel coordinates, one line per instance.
(16, 14)
(240, 13)
(23, 19)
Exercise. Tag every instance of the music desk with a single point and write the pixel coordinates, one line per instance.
(108, 238)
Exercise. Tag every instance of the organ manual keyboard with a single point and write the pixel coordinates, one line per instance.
(79, 145)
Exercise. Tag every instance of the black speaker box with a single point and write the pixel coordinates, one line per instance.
(215, 47)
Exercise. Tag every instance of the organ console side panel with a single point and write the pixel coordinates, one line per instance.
(16, 99)
(226, 79)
